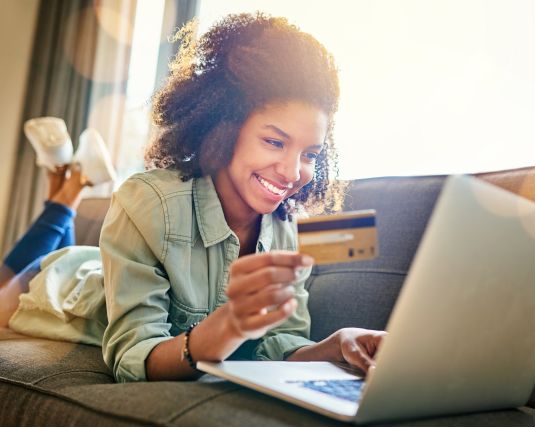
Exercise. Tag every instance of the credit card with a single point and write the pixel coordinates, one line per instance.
(341, 237)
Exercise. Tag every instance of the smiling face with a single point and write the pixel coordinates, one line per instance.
(274, 157)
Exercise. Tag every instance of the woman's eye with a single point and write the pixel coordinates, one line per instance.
(274, 142)
(311, 156)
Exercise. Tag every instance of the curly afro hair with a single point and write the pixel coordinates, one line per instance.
(241, 64)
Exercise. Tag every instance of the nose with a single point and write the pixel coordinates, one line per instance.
(289, 168)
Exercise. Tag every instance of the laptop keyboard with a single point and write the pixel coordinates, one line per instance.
(343, 389)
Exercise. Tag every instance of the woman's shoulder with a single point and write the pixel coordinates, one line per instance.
(150, 197)
(161, 182)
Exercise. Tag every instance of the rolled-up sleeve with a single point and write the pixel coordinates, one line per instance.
(282, 341)
(135, 283)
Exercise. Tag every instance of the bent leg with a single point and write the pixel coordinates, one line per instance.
(68, 238)
(10, 292)
(54, 229)
(43, 236)
(6, 274)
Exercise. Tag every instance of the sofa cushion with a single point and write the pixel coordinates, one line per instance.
(50, 364)
(45, 383)
(89, 219)
(363, 294)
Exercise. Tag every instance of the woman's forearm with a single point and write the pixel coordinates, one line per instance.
(355, 346)
(213, 339)
(324, 351)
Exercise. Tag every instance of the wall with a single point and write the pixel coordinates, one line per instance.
(17, 26)
(426, 86)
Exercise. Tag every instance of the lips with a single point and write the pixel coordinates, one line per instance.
(275, 190)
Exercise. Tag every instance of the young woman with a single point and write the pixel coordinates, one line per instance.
(199, 256)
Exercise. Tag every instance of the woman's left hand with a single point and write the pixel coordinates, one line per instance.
(354, 346)
(358, 347)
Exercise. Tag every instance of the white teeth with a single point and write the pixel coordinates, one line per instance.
(269, 186)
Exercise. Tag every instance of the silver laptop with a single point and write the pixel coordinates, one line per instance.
(461, 336)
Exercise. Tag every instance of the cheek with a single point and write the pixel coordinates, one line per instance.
(306, 173)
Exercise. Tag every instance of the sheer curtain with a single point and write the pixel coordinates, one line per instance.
(79, 72)
(156, 22)
(67, 68)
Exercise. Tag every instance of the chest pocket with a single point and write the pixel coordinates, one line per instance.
(181, 316)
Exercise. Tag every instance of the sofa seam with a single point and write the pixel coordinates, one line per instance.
(201, 402)
(58, 374)
(58, 396)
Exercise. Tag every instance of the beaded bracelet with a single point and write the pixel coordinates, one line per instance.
(185, 349)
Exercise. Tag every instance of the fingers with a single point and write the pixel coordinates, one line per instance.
(269, 319)
(259, 291)
(251, 263)
(359, 347)
(271, 296)
(251, 273)
(372, 345)
(356, 354)
(254, 282)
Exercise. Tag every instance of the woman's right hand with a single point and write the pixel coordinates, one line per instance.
(261, 296)
(261, 292)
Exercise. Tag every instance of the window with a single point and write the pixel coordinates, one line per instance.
(127, 57)
(140, 86)
(427, 87)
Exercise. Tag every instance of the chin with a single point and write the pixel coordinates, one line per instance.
(266, 209)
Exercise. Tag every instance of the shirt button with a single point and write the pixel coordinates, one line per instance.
(182, 318)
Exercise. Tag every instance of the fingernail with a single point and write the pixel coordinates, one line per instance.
(307, 260)
(290, 306)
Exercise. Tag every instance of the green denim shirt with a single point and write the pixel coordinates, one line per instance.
(166, 251)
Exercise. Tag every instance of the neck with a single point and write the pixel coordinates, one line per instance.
(241, 219)
(247, 229)
(248, 237)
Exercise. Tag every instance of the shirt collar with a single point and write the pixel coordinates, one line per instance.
(211, 220)
(265, 239)
(210, 217)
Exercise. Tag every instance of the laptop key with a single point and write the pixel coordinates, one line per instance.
(343, 389)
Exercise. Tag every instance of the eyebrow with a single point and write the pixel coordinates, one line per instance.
(278, 130)
(285, 135)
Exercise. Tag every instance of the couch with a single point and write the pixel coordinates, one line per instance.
(48, 383)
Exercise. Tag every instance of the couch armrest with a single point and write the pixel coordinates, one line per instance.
(520, 181)
(89, 218)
